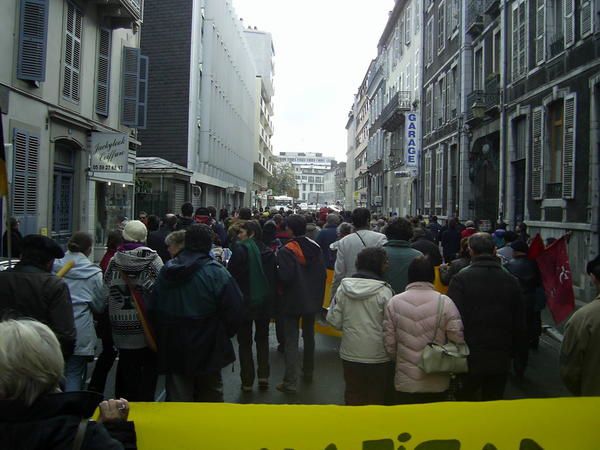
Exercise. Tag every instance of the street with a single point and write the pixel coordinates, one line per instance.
(541, 378)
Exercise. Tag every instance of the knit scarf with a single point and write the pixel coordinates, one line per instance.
(259, 285)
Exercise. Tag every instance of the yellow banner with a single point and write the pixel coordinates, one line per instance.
(549, 424)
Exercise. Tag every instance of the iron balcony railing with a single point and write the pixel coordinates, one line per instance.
(554, 190)
(399, 103)
(480, 102)
(492, 7)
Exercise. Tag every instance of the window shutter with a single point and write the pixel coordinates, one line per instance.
(72, 62)
(515, 43)
(449, 94)
(142, 92)
(436, 105)
(103, 81)
(536, 153)
(540, 31)
(569, 23)
(407, 26)
(586, 18)
(443, 92)
(25, 179)
(33, 32)
(523, 39)
(568, 179)
(130, 86)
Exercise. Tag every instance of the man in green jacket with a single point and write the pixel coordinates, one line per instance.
(400, 254)
(580, 352)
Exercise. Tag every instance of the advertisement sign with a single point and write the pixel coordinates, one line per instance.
(109, 152)
(411, 138)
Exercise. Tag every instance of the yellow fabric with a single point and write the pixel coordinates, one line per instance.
(437, 283)
(552, 424)
(321, 327)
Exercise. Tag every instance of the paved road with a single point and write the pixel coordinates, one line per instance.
(541, 379)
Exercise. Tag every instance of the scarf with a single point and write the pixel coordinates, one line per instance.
(259, 285)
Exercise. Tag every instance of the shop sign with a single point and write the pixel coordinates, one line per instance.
(109, 152)
(411, 137)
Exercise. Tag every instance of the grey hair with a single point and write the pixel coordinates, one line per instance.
(176, 237)
(333, 219)
(345, 228)
(31, 361)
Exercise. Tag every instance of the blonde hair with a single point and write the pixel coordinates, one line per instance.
(31, 361)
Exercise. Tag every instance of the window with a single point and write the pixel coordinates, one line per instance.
(439, 176)
(441, 26)
(540, 31)
(396, 44)
(427, 180)
(429, 42)
(537, 130)
(519, 39)
(586, 17)
(33, 29)
(417, 17)
(103, 72)
(478, 70)
(555, 116)
(441, 101)
(311, 179)
(428, 109)
(72, 56)
(401, 36)
(453, 92)
(454, 16)
(407, 27)
(497, 49)
(520, 138)
(311, 189)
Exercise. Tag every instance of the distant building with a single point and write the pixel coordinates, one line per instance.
(309, 170)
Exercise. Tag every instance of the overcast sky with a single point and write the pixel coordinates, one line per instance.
(322, 51)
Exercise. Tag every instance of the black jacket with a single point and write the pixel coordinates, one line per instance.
(528, 274)
(239, 269)
(51, 424)
(450, 243)
(302, 277)
(27, 291)
(16, 238)
(195, 308)
(156, 241)
(429, 249)
(326, 237)
(492, 310)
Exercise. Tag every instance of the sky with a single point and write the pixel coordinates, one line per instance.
(322, 51)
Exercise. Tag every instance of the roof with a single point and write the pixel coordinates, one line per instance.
(152, 164)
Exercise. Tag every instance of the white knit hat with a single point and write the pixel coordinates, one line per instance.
(135, 231)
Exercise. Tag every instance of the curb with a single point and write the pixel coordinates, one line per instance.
(553, 333)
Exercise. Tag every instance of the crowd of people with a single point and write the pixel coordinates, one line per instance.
(171, 293)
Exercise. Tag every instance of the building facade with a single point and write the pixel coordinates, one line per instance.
(263, 52)
(203, 88)
(72, 95)
(309, 169)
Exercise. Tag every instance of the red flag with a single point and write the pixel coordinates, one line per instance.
(557, 279)
(536, 247)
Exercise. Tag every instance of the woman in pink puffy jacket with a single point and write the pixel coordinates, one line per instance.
(409, 324)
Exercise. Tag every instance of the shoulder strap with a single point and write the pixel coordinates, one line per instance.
(361, 239)
(80, 435)
(440, 310)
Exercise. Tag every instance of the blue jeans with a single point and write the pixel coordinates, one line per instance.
(75, 373)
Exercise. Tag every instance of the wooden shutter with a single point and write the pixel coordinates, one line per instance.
(569, 22)
(407, 26)
(569, 136)
(25, 179)
(33, 32)
(540, 31)
(537, 153)
(436, 104)
(586, 16)
(103, 75)
(515, 43)
(523, 65)
(72, 62)
(142, 92)
(130, 86)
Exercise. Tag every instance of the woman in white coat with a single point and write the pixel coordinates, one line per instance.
(88, 295)
(357, 310)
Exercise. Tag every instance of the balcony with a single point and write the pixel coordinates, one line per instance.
(492, 7)
(475, 17)
(123, 13)
(392, 115)
(481, 104)
(554, 190)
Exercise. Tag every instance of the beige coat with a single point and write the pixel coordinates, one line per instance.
(580, 351)
(408, 326)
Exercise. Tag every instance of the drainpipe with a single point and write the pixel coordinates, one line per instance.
(503, 116)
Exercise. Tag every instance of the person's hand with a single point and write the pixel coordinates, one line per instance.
(113, 410)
